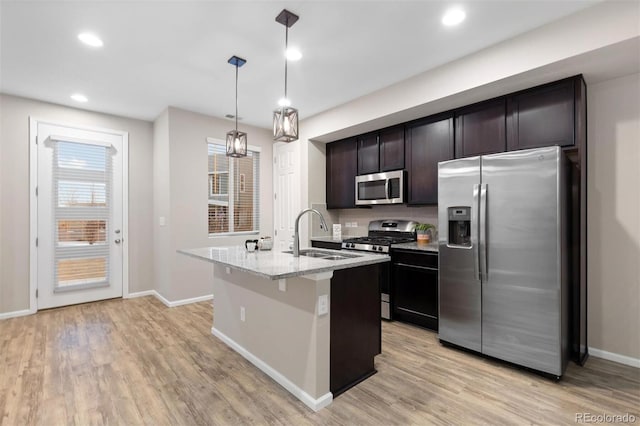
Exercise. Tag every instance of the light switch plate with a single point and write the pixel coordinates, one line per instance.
(162, 221)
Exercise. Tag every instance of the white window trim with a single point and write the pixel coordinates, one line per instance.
(231, 193)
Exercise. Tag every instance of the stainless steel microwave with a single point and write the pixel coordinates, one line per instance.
(380, 188)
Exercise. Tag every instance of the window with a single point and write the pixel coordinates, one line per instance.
(234, 190)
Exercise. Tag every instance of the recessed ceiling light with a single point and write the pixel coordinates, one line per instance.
(90, 39)
(284, 102)
(453, 16)
(293, 54)
(79, 97)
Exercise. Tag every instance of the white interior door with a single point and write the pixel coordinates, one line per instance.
(79, 215)
(286, 182)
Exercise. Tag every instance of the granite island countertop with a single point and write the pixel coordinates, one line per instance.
(275, 265)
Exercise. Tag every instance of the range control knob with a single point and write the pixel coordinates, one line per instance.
(380, 248)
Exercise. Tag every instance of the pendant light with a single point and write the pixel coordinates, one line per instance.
(285, 118)
(236, 141)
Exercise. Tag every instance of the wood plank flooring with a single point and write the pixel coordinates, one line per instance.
(139, 362)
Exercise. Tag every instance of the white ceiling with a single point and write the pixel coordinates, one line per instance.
(174, 53)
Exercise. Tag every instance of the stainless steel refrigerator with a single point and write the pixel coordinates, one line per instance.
(503, 257)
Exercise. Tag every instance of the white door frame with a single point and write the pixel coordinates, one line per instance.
(33, 203)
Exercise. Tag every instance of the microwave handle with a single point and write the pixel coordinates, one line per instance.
(386, 188)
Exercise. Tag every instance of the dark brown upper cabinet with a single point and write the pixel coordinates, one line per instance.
(381, 151)
(481, 129)
(542, 116)
(427, 142)
(368, 154)
(391, 149)
(342, 161)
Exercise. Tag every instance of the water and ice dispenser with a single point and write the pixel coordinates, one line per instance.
(459, 226)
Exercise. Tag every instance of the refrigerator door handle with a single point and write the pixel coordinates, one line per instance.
(484, 271)
(386, 188)
(474, 233)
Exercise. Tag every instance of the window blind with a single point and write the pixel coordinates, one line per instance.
(234, 190)
(82, 184)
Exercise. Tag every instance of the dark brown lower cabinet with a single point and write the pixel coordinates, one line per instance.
(415, 287)
(355, 326)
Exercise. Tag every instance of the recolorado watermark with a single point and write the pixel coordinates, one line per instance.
(606, 418)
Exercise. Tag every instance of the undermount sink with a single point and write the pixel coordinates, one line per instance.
(338, 257)
(324, 255)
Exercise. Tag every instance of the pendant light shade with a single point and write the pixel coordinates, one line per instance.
(236, 144)
(285, 124)
(285, 118)
(236, 141)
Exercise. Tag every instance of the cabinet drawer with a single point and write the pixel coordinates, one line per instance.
(333, 245)
(416, 259)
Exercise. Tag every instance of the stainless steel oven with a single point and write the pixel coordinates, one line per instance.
(380, 188)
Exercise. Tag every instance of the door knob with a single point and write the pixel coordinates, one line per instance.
(117, 241)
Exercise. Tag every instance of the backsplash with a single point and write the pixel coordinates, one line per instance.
(362, 216)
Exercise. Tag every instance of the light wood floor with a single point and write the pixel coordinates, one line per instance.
(138, 362)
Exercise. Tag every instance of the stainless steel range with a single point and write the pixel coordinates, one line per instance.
(382, 234)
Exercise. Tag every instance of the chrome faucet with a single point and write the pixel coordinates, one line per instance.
(296, 236)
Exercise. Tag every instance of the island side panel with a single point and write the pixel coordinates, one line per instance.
(281, 328)
(355, 326)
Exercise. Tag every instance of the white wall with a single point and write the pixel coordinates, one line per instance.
(181, 190)
(14, 193)
(161, 204)
(614, 215)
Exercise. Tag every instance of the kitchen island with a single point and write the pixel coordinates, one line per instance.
(310, 323)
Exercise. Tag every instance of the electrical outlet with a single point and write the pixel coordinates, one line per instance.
(242, 313)
(282, 285)
(323, 304)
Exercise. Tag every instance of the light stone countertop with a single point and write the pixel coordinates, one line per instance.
(275, 265)
(430, 247)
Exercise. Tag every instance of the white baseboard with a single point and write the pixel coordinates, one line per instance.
(308, 400)
(610, 356)
(140, 294)
(14, 314)
(182, 301)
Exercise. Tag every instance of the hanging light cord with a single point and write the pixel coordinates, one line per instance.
(236, 96)
(286, 47)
